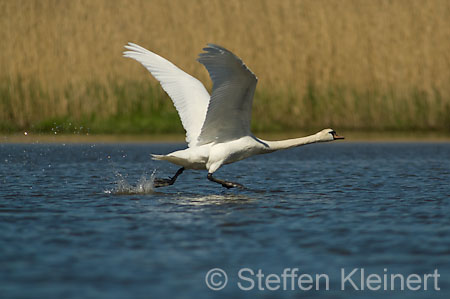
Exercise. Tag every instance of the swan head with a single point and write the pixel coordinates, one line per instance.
(328, 135)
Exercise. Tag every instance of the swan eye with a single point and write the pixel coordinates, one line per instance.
(333, 133)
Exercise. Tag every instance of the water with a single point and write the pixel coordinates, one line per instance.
(82, 221)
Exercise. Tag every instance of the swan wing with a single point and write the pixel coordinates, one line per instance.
(188, 94)
(229, 111)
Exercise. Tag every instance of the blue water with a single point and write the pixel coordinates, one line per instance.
(82, 221)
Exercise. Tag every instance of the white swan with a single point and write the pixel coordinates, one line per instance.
(217, 126)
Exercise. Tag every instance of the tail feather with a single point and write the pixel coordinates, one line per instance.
(171, 159)
(158, 157)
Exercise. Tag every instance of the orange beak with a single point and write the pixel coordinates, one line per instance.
(338, 137)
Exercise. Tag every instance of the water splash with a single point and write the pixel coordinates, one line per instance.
(145, 185)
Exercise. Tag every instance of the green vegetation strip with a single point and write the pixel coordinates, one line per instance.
(138, 107)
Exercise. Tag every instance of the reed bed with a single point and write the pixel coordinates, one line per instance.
(362, 65)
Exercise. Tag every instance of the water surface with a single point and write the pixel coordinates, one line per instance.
(81, 221)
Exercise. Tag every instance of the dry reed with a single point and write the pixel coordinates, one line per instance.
(353, 64)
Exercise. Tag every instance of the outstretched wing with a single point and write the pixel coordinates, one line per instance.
(229, 112)
(187, 93)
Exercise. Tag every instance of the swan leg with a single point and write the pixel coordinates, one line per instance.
(225, 184)
(167, 182)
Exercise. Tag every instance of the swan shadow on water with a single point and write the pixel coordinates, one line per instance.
(214, 199)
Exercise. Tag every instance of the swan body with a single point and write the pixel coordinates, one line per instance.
(212, 155)
(217, 126)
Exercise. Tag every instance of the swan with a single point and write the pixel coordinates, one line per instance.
(217, 126)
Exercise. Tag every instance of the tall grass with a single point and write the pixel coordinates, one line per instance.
(348, 64)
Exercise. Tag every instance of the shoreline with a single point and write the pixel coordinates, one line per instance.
(356, 136)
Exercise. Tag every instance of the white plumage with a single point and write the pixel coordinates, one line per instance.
(217, 126)
(188, 94)
(232, 96)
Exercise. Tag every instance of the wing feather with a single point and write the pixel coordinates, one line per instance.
(188, 94)
(229, 111)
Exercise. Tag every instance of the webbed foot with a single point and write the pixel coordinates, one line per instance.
(224, 183)
(157, 182)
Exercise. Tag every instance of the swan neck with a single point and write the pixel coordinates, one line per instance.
(288, 143)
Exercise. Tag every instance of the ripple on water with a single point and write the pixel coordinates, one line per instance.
(94, 227)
